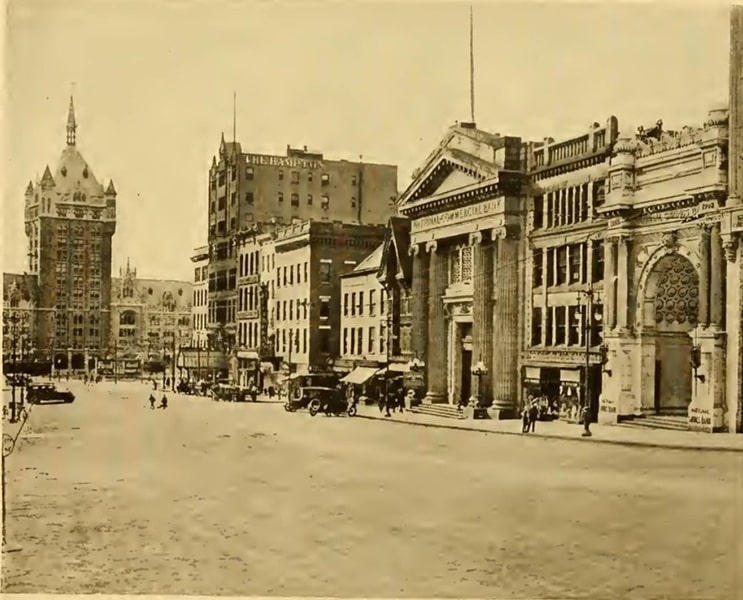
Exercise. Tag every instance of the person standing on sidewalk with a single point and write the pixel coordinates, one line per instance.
(533, 415)
(152, 402)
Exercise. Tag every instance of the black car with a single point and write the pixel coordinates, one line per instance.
(47, 393)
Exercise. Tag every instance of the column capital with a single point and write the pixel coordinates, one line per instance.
(730, 248)
(432, 246)
(505, 232)
(705, 228)
(414, 249)
(476, 238)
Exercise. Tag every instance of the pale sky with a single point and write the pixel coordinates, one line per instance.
(154, 83)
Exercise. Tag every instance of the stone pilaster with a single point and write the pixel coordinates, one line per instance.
(623, 271)
(87, 360)
(704, 276)
(419, 307)
(707, 407)
(610, 284)
(69, 362)
(437, 338)
(717, 280)
(505, 327)
(482, 314)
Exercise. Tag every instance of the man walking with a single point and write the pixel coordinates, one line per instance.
(152, 402)
(533, 415)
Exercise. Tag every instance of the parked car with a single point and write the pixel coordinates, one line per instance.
(47, 393)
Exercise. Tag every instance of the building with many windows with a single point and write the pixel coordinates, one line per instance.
(151, 320)
(310, 259)
(247, 190)
(70, 219)
(199, 302)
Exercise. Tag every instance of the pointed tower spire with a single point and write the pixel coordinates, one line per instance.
(71, 124)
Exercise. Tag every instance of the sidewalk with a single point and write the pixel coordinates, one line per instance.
(603, 434)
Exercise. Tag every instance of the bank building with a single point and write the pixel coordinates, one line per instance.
(601, 266)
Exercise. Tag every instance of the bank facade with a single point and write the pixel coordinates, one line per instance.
(607, 257)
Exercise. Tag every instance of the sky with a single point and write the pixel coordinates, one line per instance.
(153, 82)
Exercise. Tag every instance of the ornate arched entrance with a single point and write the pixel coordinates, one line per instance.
(670, 309)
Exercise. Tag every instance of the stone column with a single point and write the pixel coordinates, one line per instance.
(704, 276)
(717, 279)
(69, 362)
(482, 314)
(505, 327)
(610, 284)
(436, 356)
(87, 358)
(622, 288)
(419, 307)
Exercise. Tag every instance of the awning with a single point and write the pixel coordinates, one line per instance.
(400, 367)
(248, 354)
(361, 375)
(569, 376)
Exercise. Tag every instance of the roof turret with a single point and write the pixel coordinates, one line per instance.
(71, 124)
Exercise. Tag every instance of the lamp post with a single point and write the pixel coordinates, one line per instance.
(588, 318)
(15, 323)
(478, 370)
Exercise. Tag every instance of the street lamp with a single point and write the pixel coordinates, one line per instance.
(478, 370)
(589, 317)
(15, 323)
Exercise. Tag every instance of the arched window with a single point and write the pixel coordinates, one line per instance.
(128, 317)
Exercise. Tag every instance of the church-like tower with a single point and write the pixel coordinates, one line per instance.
(70, 221)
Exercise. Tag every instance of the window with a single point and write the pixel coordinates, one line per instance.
(345, 340)
(309, 199)
(295, 176)
(324, 335)
(460, 264)
(345, 305)
(222, 203)
(295, 199)
(291, 274)
(353, 179)
(291, 310)
(561, 323)
(281, 196)
(371, 340)
(353, 304)
(325, 203)
(549, 339)
(325, 272)
(249, 197)
(306, 270)
(598, 261)
(537, 271)
(382, 338)
(372, 306)
(562, 265)
(249, 172)
(576, 252)
(233, 198)
(281, 174)
(360, 340)
(324, 308)
(197, 274)
(575, 322)
(304, 341)
(309, 176)
(353, 340)
(285, 271)
(536, 326)
(325, 179)
(353, 201)
(538, 212)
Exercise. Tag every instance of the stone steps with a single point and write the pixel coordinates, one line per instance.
(670, 422)
(446, 411)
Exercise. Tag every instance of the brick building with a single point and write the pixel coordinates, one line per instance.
(310, 259)
(70, 219)
(247, 190)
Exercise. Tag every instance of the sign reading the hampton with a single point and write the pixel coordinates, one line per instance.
(452, 217)
(282, 161)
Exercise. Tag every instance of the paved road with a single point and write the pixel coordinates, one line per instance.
(215, 498)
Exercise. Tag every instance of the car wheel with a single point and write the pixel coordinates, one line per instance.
(314, 407)
(351, 411)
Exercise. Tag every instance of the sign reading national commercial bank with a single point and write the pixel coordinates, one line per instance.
(456, 216)
(282, 161)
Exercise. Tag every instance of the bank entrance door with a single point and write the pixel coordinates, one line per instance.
(466, 375)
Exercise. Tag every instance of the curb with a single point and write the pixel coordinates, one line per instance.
(560, 437)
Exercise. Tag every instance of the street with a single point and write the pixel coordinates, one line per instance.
(108, 496)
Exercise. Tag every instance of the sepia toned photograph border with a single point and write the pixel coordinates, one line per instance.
(371, 299)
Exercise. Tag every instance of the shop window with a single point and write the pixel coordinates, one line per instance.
(536, 326)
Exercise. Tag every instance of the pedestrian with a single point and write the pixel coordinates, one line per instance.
(85, 379)
(525, 418)
(152, 402)
(164, 402)
(533, 415)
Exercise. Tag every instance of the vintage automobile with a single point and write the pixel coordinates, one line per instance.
(47, 393)
(331, 401)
